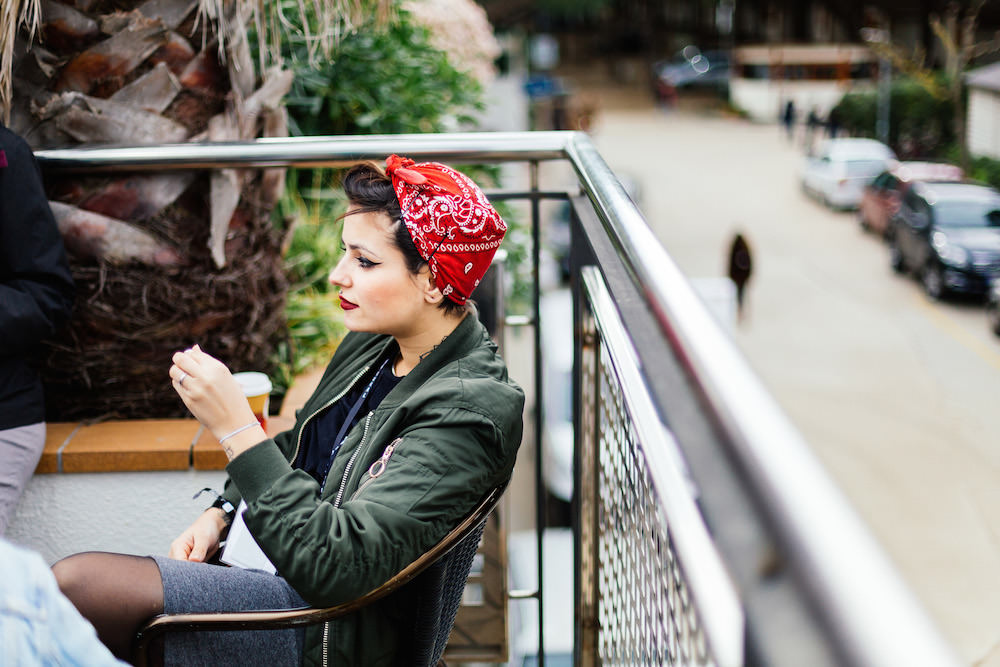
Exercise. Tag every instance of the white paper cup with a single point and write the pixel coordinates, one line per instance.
(257, 389)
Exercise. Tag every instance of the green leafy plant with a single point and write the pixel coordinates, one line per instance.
(379, 80)
(921, 125)
(315, 321)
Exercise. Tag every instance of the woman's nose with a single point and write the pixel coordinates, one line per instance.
(339, 274)
(336, 276)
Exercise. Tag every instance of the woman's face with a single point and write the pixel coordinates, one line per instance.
(377, 291)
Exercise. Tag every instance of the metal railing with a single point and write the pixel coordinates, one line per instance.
(706, 531)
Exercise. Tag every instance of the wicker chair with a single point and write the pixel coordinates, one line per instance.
(439, 576)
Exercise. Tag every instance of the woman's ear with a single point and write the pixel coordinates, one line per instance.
(432, 294)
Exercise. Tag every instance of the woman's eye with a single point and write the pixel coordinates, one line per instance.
(366, 263)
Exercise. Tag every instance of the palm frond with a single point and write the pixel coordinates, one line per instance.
(13, 15)
(225, 20)
(333, 18)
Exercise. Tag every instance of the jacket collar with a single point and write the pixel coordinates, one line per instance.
(465, 338)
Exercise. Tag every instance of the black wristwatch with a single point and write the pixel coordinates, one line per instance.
(225, 505)
(221, 503)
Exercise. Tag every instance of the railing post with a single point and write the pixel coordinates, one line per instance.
(540, 509)
(585, 485)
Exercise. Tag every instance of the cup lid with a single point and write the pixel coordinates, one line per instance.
(253, 383)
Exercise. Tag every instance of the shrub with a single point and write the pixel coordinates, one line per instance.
(920, 124)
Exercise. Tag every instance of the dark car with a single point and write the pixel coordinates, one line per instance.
(948, 234)
(880, 198)
(691, 68)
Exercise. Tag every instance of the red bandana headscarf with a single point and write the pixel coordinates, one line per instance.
(451, 222)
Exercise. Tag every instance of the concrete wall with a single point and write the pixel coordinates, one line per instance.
(127, 512)
(983, 123)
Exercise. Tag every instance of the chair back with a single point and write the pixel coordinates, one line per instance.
(438, 594)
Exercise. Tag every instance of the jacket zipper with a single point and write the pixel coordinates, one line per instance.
(295, 454)
(336, 503)
(350, 463)
(377, 468)
(298, 441)
(326, 639)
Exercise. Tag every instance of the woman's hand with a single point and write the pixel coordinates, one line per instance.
(210, 391)
(201, 540)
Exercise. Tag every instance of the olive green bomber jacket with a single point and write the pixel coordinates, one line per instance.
(454, 425)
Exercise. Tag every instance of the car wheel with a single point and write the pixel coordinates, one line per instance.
(896, 260)
(933, 281)
(993, 314)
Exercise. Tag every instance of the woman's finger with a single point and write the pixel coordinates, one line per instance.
(178, 375)
(186, 362)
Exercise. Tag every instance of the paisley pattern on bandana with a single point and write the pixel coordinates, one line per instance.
(452, 223)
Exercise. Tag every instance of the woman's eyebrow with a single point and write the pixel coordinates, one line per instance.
(360, 248)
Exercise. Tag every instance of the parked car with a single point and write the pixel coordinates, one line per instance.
(948, 234)
(993, 307)
(841, 168)
(880, 198)
(691, 68)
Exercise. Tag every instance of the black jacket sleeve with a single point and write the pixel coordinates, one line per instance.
(36, 287)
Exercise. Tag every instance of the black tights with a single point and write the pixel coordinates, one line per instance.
(117, 593)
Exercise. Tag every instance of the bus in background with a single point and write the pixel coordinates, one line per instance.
(812, 76)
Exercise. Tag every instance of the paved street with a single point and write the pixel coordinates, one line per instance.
(896, 394)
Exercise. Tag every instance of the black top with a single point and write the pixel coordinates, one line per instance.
(36, 288)
(320, 435)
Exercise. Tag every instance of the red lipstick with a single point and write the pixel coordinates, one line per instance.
(347, 305)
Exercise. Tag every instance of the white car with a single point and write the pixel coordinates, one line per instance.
(839, 171)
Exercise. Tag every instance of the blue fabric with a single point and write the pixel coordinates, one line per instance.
(38, 624)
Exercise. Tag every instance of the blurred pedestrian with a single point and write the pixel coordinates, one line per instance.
(833, 123)
(788, 118)
(740, 269)
(813, 123)
(36, 295)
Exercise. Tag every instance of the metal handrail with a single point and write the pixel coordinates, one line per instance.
(312, 151)
(719, 606)
(870, 613)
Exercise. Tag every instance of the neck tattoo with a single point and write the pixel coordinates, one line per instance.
(428, 352)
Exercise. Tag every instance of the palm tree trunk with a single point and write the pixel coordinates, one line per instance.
(161, 261)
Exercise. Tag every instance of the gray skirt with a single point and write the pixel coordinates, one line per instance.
(198, 587)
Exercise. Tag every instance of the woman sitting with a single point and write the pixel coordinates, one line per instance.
(413, 421)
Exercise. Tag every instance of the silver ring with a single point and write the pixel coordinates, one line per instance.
(181, 379)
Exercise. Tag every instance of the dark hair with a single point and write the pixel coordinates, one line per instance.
(370, 190)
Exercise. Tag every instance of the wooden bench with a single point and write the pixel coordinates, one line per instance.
(138, 445)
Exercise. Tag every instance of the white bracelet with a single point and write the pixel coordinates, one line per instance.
(239, 430)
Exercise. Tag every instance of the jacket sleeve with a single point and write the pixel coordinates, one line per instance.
(283, 441)
(36, 287)
(434, 475)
